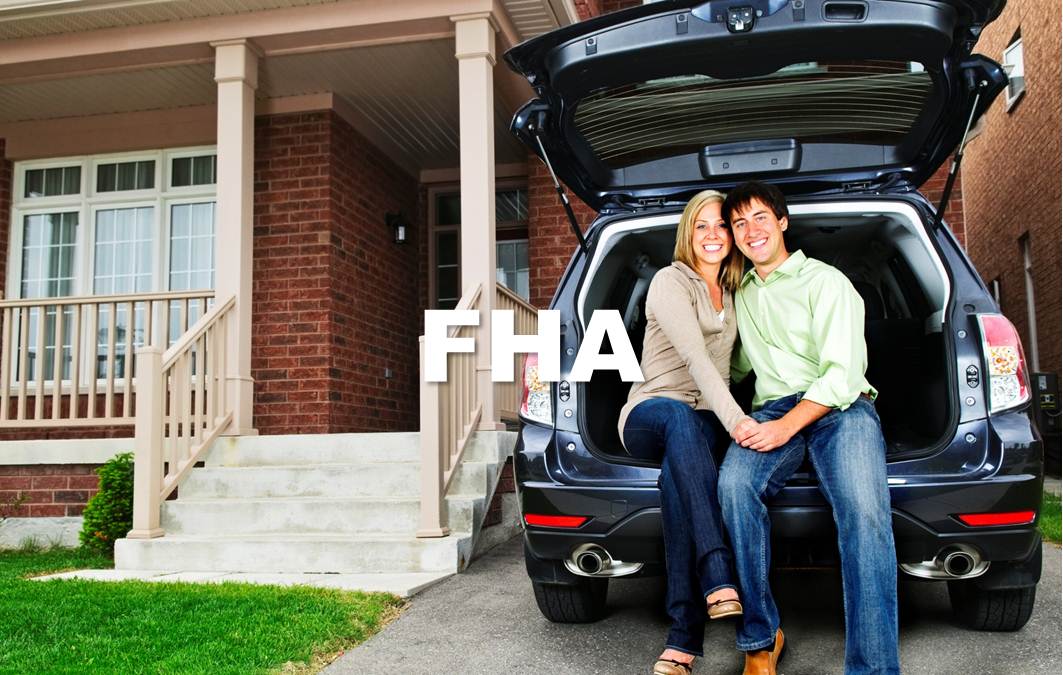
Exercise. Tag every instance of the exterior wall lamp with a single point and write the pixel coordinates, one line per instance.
(399, 226)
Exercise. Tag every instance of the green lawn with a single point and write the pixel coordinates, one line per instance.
(1050, 517)
(134, 627)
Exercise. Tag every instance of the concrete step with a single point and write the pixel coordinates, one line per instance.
(310, 553)
(337, 481)
(364, 515)
(306, 449)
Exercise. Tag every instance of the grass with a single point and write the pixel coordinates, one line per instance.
(1050, 517)
(134, 627)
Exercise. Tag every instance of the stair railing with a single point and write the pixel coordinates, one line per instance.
(182, 406)
(451, 410)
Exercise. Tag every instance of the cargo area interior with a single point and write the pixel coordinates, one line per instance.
(890, 262)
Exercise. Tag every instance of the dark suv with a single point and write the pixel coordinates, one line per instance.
(847, 106)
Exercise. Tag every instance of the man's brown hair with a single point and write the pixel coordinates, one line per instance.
(746, 193)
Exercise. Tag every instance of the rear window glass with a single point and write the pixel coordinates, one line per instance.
(873, 102)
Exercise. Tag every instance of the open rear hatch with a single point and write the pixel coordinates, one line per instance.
(657, 101)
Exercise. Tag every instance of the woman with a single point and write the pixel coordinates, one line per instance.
(674, 416)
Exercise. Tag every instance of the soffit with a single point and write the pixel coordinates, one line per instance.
(94, 15)
(403, 97)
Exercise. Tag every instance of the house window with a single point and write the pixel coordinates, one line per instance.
(1013, 65)
(511, 247)
(994, 288)
(149, 226)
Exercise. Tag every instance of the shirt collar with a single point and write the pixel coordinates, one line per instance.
(686, 269)
(789, 268)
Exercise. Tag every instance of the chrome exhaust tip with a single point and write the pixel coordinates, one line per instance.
(591, 560)
(958, 561)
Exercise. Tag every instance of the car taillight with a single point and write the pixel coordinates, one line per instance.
(991, 519)
(1009, 385)
(535, 403)
(554, 521)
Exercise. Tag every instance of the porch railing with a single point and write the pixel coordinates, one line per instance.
(525, 322)
(70, 361)
(451, 410)
(182, 407)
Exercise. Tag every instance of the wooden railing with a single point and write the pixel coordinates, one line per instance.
(70, 361)
(525, 322)
(450, 411)
(182, 407)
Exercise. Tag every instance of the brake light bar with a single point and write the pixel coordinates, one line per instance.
(991, 519)
(554, 521)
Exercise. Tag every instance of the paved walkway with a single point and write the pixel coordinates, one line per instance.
(1053, 485)
(486, 621)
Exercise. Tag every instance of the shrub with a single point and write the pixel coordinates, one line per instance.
(109, 514)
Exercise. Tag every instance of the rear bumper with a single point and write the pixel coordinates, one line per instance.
(627, 521)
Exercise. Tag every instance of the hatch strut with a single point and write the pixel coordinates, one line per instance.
(958, 157)
(561, 194)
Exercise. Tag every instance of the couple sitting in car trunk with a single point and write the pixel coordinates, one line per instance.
(799, 324)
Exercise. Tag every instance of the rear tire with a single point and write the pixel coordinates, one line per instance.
(1006, 609)
(583, 602)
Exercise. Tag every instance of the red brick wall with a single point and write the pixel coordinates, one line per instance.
(375, 289)
(50, 490)
(1011, 178)
(335, 300)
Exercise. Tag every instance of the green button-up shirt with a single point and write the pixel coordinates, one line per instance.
(802, 329)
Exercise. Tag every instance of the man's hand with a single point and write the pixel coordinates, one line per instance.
(769, 435)
(744, 429)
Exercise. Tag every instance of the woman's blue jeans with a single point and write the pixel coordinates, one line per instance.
(697, 557)
(849, 456)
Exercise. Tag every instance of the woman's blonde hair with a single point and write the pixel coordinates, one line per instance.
(732, 267)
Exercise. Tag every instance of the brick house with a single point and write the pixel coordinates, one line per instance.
(276, 189)
(1011, 181)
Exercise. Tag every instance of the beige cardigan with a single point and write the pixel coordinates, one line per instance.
(686, 352)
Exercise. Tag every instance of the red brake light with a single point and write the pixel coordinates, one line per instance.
(554, 521)
(535, 403)
(1006, 370)
(990, 519)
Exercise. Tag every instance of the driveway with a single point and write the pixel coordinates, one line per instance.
(486, 621)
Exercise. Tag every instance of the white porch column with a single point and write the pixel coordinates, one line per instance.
(475, 49)
(236, 72)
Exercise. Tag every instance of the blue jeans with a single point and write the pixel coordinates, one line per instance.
(849, 456)
(697, 558)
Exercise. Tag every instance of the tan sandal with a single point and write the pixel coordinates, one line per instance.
(672, 667)
(721, 609)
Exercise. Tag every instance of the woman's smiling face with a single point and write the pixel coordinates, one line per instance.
(711, 238)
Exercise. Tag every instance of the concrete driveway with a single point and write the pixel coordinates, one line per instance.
(486, 621)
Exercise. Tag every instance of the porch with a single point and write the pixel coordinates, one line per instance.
(283, 140)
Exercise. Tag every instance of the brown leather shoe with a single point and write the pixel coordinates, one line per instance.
(763, 662)
(671, 667)
(721, 609)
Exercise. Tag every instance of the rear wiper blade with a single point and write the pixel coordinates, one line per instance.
(561, 192)
(954, 168)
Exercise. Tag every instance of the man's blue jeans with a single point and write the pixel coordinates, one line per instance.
(697, 558)
(849, 455)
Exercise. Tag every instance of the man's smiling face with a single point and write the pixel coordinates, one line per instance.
(758, 234)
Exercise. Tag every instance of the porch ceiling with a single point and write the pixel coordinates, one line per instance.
(403, 97)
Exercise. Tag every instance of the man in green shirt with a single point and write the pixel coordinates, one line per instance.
(801, 325)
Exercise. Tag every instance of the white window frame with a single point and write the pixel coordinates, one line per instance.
(1011, 99)
(86, 204)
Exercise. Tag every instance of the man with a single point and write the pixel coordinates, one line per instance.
(801, 324)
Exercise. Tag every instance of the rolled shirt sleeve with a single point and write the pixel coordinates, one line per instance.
(837, 331)
(677, 318)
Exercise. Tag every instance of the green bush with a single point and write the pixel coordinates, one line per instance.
(109, 514)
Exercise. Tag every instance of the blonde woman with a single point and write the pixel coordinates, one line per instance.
(675, 417)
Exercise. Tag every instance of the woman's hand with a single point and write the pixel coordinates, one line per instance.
(744, 429)
(768, 436)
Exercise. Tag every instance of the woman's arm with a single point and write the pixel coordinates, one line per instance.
(673, 308)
